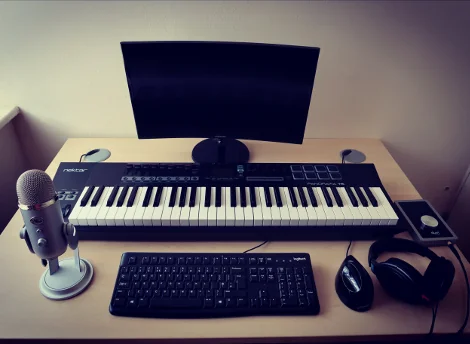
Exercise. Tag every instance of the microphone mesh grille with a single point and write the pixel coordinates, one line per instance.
(34, 187)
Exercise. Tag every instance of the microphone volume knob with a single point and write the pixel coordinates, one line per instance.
(42, 242)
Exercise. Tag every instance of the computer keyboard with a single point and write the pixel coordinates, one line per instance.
(203, 285)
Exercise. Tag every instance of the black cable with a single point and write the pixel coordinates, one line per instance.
(434, 315)
(81, 157)
(347, 251)
(344, 154)
(251, 249)
(457, 255)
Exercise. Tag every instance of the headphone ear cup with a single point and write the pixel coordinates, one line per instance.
(400, 280)
(438, 278)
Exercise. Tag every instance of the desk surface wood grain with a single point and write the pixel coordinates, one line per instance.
(27, 314)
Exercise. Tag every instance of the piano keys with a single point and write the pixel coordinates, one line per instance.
(231, 208)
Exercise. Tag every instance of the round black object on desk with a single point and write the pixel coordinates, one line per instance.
(220, 151)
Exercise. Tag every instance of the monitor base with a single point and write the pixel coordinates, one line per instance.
(220, 151)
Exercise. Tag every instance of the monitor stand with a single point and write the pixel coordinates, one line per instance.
(220, 151)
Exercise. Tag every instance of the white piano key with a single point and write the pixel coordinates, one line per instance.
(166, 211)
(321, 216)
(138, 218)
(329, 213)
(194, 211)
(239, 214)
(111, 214)
(348, 216)
(383, 201)
(354, 213)
(275, 210)
(184, 217)
(176, 211)
(221, 209)
(93, 214)
(203, 210)
(293, 213)
(366, 218)
(257, 213)
(374, 214)
(148, 211)
(339, 216)
(311, 213)
(248, 210)
(77, 208)
(158, 211)
(212, 212)
(303, 216)
(265, 210)
(284, 210)
(83, 216)
(101, 216)
(229, 210)
(121, 213)
(130, 212)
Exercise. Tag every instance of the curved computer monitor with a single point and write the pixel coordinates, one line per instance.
(221, 91)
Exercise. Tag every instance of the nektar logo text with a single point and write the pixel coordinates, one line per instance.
(75, 169)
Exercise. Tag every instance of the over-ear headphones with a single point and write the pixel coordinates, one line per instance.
(402, 281)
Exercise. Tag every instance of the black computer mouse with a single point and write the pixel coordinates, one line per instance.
(354, 285)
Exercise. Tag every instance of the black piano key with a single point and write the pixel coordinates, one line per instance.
(277, 195)
(361, 196)
(97, 196)
(147, 196)
(303, 200)
(158, 197)
(371, 197)
(184, 190)
(253, 196)
(87, 196)
(312, 197)
(112, 197)
(174, 190)
(351, 196)
(131, 200)
(267, 196)
(293, 199)
(326, 194)
(207, 199)
(122, 196)
(243, 196)
(218, 196)
(192, 197)
(338, 199)
(233, 197)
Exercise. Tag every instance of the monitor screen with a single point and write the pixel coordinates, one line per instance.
(220, 89)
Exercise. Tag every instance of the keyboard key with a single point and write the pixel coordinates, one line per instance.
(326, 194)
(277, 195)
(122, 196)
(218, 196)
(351, 196)
(176, 303)
(303, 200)
(173, 192)
(253, 202)
(292, 197)
(336, 196)
(111, 198)
(97, 196)
(182, 198)
(87, 196)
(131, 200)
(148, 193)
(362, 199)
(370, 196)
(242, 197)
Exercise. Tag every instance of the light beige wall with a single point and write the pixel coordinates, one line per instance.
(392, 70)
(12, 163)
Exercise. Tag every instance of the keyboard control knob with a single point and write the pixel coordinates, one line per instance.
(42, 242)
(428, 222)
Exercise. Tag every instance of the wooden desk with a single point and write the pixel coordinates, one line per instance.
(27, 314)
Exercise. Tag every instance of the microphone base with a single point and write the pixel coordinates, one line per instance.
(67, 281)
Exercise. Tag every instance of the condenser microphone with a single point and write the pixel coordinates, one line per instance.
(48, 236)
(42, 214)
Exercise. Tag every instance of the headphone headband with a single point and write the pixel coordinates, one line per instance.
(398, 245)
